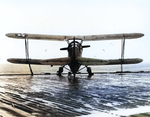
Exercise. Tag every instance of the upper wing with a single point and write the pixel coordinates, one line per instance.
(38, 36)
(83, 37)
(91, 61)
(56, 61)
(112, 36)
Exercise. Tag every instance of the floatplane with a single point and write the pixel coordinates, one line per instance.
(75, 48)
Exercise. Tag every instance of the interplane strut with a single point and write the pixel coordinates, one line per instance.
(27, 54)
(122, 52)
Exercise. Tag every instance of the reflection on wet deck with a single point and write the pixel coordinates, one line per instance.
(50, 95)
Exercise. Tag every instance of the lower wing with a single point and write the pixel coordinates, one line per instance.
(56, 61)
(81, 60)
(124, 61)
(91, 61)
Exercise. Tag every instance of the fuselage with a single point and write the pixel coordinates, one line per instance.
(74, 51)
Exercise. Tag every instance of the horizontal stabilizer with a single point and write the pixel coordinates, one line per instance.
(82, 37)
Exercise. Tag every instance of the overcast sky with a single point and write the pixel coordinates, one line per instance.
(74, 17)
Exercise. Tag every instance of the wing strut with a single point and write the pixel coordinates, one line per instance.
(122, 52)
(27, 53)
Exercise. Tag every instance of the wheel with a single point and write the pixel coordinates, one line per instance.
(60, 71)
(89, 71)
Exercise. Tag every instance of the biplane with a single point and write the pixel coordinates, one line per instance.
(75, 48)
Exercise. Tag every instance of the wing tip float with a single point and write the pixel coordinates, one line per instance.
(83, 37)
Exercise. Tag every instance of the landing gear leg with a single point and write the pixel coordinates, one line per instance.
(74, 76)
(89, 71)
(69, 75)
(60, 71)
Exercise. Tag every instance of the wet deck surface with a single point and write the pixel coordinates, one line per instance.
(53, 96)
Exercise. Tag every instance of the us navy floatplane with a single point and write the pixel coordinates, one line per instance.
(75, 48)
